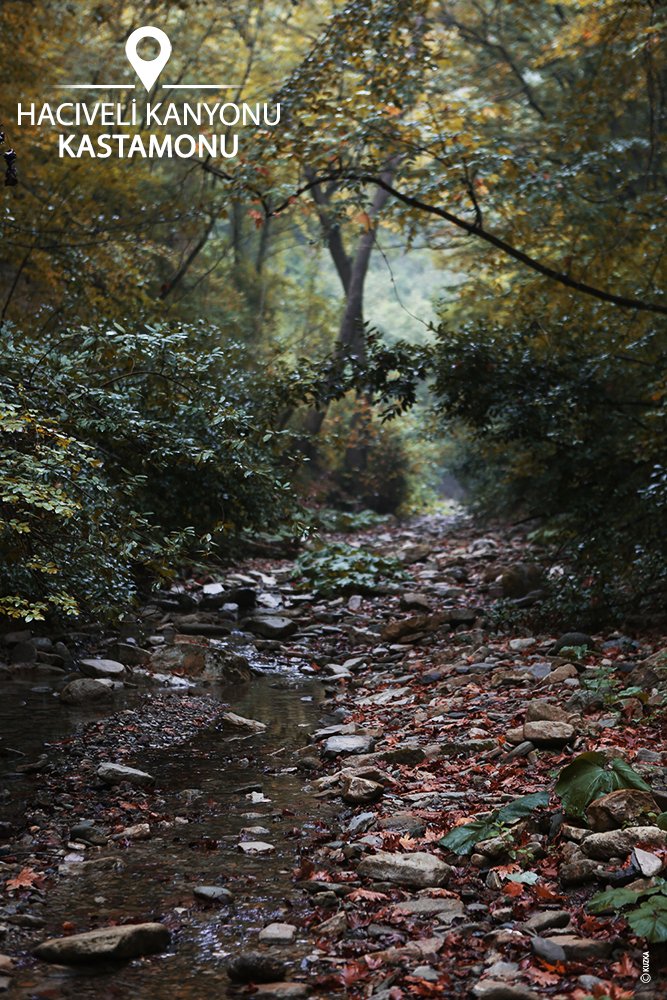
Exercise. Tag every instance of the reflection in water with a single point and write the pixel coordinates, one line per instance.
(154, 879)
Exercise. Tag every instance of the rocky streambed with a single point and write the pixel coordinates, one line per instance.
(269, 793)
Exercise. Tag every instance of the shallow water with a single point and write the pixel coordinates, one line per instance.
(156, 878)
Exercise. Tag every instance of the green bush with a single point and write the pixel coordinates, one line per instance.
(567, 423)
(121, 451)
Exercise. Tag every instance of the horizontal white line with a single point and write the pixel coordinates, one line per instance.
(97, 86)
(200, 86)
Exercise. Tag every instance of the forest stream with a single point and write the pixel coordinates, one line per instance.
(371, 811)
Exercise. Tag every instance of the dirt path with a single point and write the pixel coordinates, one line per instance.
(431, 717)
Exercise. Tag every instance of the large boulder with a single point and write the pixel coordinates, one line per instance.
(624, 807)
(198, 658)
(619, 843)
(415, 871)
(98, 668)
(85, 690)
(105, 944)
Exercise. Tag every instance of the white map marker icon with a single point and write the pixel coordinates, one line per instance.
(148, 70)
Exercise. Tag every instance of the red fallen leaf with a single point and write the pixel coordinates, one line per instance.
(546, 893)
(26, 879)
(353, 973)
(542, 977)
(513, 888)
(365, 894)
(68, 926)
(626, 967)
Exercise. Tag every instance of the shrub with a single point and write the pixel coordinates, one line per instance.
(122, 449)
(568, 424)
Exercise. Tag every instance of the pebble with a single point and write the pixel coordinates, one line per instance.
(213, 894)
(278, 933)
(359, 791)
(256, 847)
(114, 774)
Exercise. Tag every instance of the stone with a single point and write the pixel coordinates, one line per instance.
(358, 743)
(213, 894)
(13, 638)
(404, 822)
(85, 691)
(648, 864)
(624, 807)
(579, 949)
(106, 944)
(130, 654)
(415, 602)
(239, 722)
(578, 872)
(563, 673)
(274, 991)
(278, 933)
(619, 843)
(493, 847)
(548, 734)
(23, 652)
(334, 926)
(114, 774)
(419, 870)
(98, 668)
(520, 645)
(359, 791)
(361, 822)
(256, 847)
(196, 658)
(572, 639)
(6, 965)
(256, 967)
(496, 989)
(514, 736)
(140, 831)
(548, 949)
(446, 908)
(541, 710)
(547, 919)
(272, 626)
(426, 972)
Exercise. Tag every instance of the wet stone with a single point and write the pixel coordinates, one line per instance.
(114, 774)
(80, 692)
(106, 944)
(278, 933)
(213, 894)
(256, 967)
(347, 745)
(97, 668)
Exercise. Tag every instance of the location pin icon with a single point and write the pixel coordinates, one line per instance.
(148, 70)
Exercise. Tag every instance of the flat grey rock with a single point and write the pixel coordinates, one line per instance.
(106, 944)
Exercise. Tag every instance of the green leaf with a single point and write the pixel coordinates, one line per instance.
(615, 899)
(661, 821)
(589, 776)
(462, 839)
(650, 919)
(522, 807)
